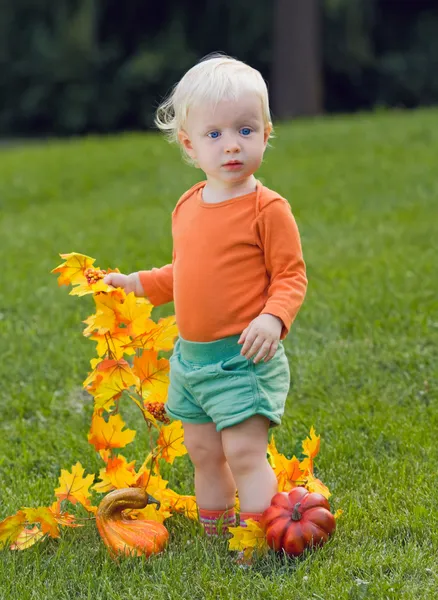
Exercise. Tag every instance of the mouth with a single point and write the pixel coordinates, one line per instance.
(233, 164)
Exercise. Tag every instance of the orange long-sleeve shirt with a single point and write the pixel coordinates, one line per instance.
(232, 261)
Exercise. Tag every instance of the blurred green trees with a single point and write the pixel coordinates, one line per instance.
(75, 66)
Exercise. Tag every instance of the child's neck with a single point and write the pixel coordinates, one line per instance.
(217, 191)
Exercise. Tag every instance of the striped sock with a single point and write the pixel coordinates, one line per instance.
(249, 515)
(216, 522)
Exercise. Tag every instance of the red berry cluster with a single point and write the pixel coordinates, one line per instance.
(157, 410)
(93, 275)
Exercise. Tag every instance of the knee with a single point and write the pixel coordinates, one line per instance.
(243, 458)
(202, 453)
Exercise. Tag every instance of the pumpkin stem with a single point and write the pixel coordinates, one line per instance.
(296, 515)
(151, 500)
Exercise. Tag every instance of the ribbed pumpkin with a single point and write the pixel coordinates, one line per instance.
(297, 520)
(128, 536)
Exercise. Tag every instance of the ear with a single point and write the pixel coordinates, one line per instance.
(185, 142)
(267, 133)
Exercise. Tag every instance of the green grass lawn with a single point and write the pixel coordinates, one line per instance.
(363, 355)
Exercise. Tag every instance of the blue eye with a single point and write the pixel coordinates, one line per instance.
(245, 131)
(213, 134)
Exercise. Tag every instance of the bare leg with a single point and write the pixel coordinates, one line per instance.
(215, 488)
(245, 447)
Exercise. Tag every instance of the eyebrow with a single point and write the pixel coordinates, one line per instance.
(244, 119)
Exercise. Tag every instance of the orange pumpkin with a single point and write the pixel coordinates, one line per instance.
(297, 520)
(128, 536)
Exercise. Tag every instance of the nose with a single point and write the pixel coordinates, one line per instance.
(232, 145)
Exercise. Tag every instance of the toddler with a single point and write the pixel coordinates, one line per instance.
(237, 278)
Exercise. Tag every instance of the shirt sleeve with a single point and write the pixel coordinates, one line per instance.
(158, 283)
(284, 261)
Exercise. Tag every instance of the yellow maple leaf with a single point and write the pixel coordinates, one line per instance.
(180, 503)
(107, 318)
(315, 485)
(150, 513)
(73, 269)
(249, 539)
(27, 538)
(311, 448)
(171, 441)
(75, 487)
(104, 435)
(134, 314)
(157, 336)
(117, 474)
(11, 527)
(153, 374)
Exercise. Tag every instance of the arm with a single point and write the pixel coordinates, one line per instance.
(284, 261)
(157, 284)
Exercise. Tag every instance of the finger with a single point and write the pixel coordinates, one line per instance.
(248, 342)
(263, 351)
(255, 347)
(242, 337)
(272, 351)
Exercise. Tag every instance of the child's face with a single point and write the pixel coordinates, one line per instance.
(227, 140)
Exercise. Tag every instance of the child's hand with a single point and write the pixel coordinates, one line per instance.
(262, 334)
(130, 283)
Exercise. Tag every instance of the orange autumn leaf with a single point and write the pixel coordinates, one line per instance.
(75, 487)
(117, 474)
(104, 435)
(27, 538)
(45, 517)
(152, 372)
(63, 518)
(171, 441)
(72, 270)
(287, 471)
(11, 527)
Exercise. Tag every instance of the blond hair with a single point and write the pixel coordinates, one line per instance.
(215, 77)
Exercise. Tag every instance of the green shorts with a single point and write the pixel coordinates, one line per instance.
(213, 382)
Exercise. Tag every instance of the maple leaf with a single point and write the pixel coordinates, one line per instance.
(315, 485)
(104, 435)
(74, 487)
(108, 380)
(287, 471)
(108, 317)
(11, 527)
(171, 441)
(249, 538)
(311, 448)
(134, 314)
(45, 517)
(73, 269)
(63, 518)
(117, 474)
(150, 513)
(157, 336)
(112, 344)
(183, 504)
(152, 373)
(27, 538)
